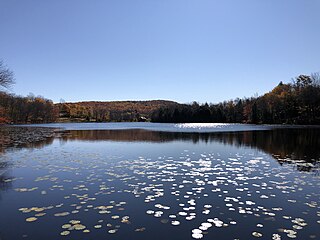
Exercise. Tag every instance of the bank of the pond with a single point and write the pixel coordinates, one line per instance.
(16, 136)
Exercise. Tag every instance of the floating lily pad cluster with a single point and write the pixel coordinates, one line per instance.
(198, 192)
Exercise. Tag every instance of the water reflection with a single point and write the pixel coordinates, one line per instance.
(180, 185)
(285, 145)
(25, 137)
(5, 178)
(299, 146)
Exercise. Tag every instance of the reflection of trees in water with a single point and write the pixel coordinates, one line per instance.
(294, 143)
(4, 184)
(282, 144)
(298, 146)
(12, 138)
(39, 144)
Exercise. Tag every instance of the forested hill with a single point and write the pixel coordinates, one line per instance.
(31, 109)
(297, 102)
(110, 111)
(292, 103)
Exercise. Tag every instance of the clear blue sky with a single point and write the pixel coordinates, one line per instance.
(182, 50)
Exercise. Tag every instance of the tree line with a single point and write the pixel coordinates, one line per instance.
(293, 103)
(116, 111)
(30, 109)
(18, 109)
(297, 102)
(95, 112)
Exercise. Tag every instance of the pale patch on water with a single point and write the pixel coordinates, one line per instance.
(203, 125)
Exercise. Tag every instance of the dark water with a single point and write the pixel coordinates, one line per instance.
(139, 184)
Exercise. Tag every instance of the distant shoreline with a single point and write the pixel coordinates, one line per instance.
(296, 103)
(93, 122)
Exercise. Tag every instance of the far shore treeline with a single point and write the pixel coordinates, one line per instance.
(293, 103)
(288, 103)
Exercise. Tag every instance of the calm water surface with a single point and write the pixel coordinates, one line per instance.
(164, 127)
(138, 183)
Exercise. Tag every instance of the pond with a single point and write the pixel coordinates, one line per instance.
(149, 181)
(164, 127)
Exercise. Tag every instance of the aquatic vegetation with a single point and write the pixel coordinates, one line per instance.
(198, 192)
(64, 233)
(31, 219)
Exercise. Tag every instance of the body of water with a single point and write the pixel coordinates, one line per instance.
(164, 127)
(163, 181)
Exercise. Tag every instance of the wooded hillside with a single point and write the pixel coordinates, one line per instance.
(30, 109)
(292, 103)
(110, 111)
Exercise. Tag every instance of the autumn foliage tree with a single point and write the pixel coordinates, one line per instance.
(294, 103)
(17, 109)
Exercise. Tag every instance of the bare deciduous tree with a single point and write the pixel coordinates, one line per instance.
(6, 76)
(315, 78)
